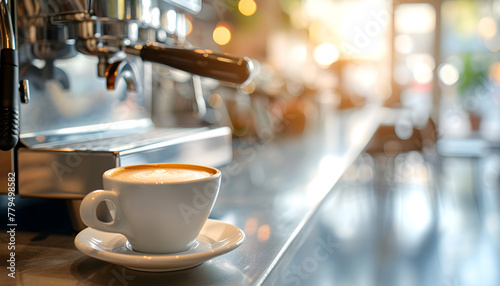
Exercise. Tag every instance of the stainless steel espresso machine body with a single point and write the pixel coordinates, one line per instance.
(86, 69)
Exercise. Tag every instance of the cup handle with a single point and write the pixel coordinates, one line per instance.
(88, 212)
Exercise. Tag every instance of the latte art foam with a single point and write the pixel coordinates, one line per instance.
(159, 174)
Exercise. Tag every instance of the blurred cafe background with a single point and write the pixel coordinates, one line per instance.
(420, 205)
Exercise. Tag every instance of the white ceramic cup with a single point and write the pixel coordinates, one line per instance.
(156, 216)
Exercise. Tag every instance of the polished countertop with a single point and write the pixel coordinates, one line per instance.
(271, 190)
(414, 218)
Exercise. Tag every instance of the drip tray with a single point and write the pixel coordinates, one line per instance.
(70, 171)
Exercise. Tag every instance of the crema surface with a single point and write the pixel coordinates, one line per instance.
(159, 174)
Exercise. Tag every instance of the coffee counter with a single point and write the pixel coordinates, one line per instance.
(271, 190)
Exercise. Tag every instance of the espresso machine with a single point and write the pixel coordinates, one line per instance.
(77, 92)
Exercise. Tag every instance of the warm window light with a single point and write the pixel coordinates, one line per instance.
(222, 35)
(326, 54)
(415, 18)
(247, 7)
(487, 28)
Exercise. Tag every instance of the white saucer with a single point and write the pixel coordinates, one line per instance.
(215, 238)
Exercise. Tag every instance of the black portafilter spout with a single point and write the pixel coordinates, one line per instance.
(200, 62)
(9, 78)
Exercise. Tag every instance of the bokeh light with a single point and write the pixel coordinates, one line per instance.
(487, 28)
(422, 67)
(448, 74)
(264, 232)
(222, 35)
(251, 226)
(326, 54)
(422, 72)
(247, 7)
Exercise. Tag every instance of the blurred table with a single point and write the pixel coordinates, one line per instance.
(271, 190)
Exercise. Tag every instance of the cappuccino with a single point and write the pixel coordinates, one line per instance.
(162, 173)
(159, 208)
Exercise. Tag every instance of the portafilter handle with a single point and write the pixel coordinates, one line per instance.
(200, 62)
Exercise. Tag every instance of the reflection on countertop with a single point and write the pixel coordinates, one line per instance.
(410, 219)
